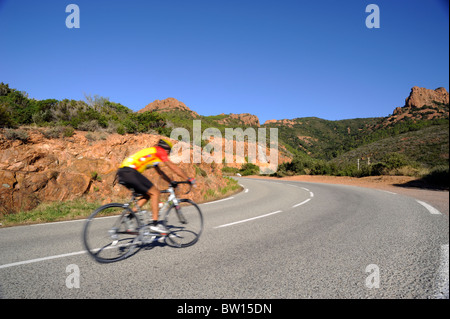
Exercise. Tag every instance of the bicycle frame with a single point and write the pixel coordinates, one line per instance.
(171, 200)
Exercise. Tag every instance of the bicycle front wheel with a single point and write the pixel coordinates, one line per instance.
(108, 237)
(185, 223)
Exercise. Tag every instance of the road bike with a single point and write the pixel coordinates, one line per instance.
(116, 231)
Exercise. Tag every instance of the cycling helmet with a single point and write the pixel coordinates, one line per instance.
(165, 144)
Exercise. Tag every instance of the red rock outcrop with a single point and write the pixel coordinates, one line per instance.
(420, 97)
(168, 105)
(285, 122)
(244, 119)
(42, 169)
(422, 104)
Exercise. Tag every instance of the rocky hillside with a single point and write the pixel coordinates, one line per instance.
(422, 104)
(167, 106)
(421, 97)
(35, 168)
(36, 165)
(326, 140)
(244, 120)
(173, 108)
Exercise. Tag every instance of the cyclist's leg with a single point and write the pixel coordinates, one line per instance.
(135, 180)
(154, 194)
(143, 185)
(156, 226)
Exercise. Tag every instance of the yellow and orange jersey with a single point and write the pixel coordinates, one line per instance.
(146, 158)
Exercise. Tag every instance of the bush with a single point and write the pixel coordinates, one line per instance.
(5, 117)
(249, 169)
(90, 126)
(229, 170)
(395, 160)
(14, 135)
(68, 131)
(94, 114)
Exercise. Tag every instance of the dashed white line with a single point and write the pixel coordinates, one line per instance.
(430, 208)
(389, 192)
(249, 219)
(304, 202)
(245, 189)
(41, 259)
(218, 201)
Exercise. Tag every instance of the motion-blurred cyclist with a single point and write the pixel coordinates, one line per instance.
(130, 175)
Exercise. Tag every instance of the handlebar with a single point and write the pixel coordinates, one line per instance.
(174, 184)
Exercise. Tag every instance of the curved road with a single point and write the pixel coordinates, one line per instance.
(273, 240)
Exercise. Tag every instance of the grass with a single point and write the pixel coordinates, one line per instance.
(51, 212)
(232, 187)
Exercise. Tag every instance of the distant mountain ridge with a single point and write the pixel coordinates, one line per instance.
(327, 140)
(421, 103)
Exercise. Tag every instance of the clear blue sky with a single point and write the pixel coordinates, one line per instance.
(276, 59)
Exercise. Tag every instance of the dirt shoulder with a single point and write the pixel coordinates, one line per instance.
(403, 185)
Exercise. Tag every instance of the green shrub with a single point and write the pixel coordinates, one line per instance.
(68, 131)
(230, 170)
(395, 160)
(5, 117)
(14, 135)
(249, 169)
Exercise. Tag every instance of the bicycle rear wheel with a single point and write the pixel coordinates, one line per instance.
(185, 223)
(108, 237)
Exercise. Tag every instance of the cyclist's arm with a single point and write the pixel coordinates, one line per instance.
(176, 169)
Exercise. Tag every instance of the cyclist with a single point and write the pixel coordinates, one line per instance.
(130, 175)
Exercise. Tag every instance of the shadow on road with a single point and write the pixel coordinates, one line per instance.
(425, 184)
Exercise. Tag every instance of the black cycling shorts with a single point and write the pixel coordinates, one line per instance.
(132, 179)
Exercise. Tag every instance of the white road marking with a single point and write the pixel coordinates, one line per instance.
(41, 259)
(245, 189)
(218, 201)
(442, 285)
(66, 221)
(430, 208)
(249, 219)
(304, 202)
(389, 192)
(61, 222)
(311, 194)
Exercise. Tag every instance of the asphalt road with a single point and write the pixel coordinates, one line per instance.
(273, 240)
